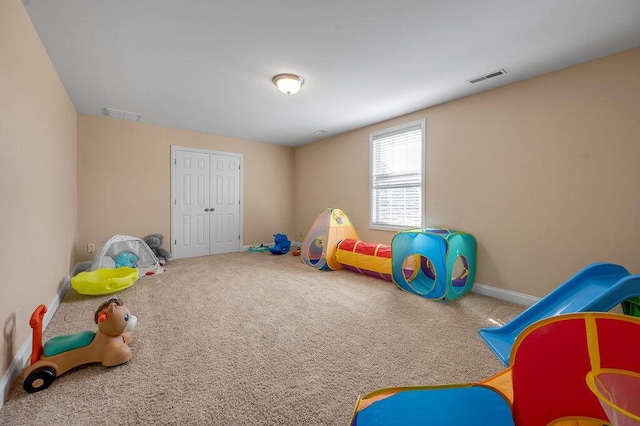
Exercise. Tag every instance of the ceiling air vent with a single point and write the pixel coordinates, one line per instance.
(487, 76)
(122, 115)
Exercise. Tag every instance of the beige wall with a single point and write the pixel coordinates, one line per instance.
(124, 181)
(545, 173)
(37, 178)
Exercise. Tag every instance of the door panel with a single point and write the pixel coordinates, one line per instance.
(225, 202)
(207, 203)
(192, 181)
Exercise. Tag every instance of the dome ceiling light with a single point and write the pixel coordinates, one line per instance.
(289, 84)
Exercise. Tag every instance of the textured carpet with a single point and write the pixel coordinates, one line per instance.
(259, 339)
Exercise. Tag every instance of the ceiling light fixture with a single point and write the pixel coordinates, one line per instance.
(288, 84)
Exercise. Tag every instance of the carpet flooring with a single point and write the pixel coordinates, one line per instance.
(260, 339)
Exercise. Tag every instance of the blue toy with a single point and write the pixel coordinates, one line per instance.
(598, 287)
(126, 258)
(282, 244)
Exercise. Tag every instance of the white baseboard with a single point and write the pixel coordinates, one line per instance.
(502, 294)
(24, 353)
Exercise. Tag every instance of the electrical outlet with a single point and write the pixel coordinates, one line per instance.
(91, 248)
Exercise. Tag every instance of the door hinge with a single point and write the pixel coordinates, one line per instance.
(238, 236)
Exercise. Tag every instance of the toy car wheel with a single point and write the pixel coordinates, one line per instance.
(39, 379)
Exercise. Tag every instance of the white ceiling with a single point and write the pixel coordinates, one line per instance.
(207, 65)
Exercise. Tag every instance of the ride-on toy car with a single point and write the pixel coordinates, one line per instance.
(109, 345)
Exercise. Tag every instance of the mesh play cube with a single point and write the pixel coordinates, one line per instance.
(434, 263)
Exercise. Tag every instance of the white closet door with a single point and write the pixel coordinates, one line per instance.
(207, 203)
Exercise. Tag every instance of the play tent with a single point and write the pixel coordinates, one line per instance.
(574, 369)
(147, 262)
(319, 246)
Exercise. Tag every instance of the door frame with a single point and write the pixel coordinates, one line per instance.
(240, 157)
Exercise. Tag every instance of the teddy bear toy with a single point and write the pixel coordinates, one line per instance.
(154, 241)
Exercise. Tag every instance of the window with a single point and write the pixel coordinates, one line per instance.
(397, 177)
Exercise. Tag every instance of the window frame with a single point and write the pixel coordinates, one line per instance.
(423, 147)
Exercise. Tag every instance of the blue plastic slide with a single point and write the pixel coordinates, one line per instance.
(597, 288)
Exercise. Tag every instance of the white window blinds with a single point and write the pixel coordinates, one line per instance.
(397, 177)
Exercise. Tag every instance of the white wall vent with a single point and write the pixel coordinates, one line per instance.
(122, 115)
(487, 76)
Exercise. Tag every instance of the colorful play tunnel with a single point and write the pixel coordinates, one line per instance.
(434, 263)
(431, 262)
(365, 258)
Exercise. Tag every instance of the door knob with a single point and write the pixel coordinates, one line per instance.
(206, 210)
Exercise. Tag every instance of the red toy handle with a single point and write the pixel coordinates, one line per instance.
(36, 324)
